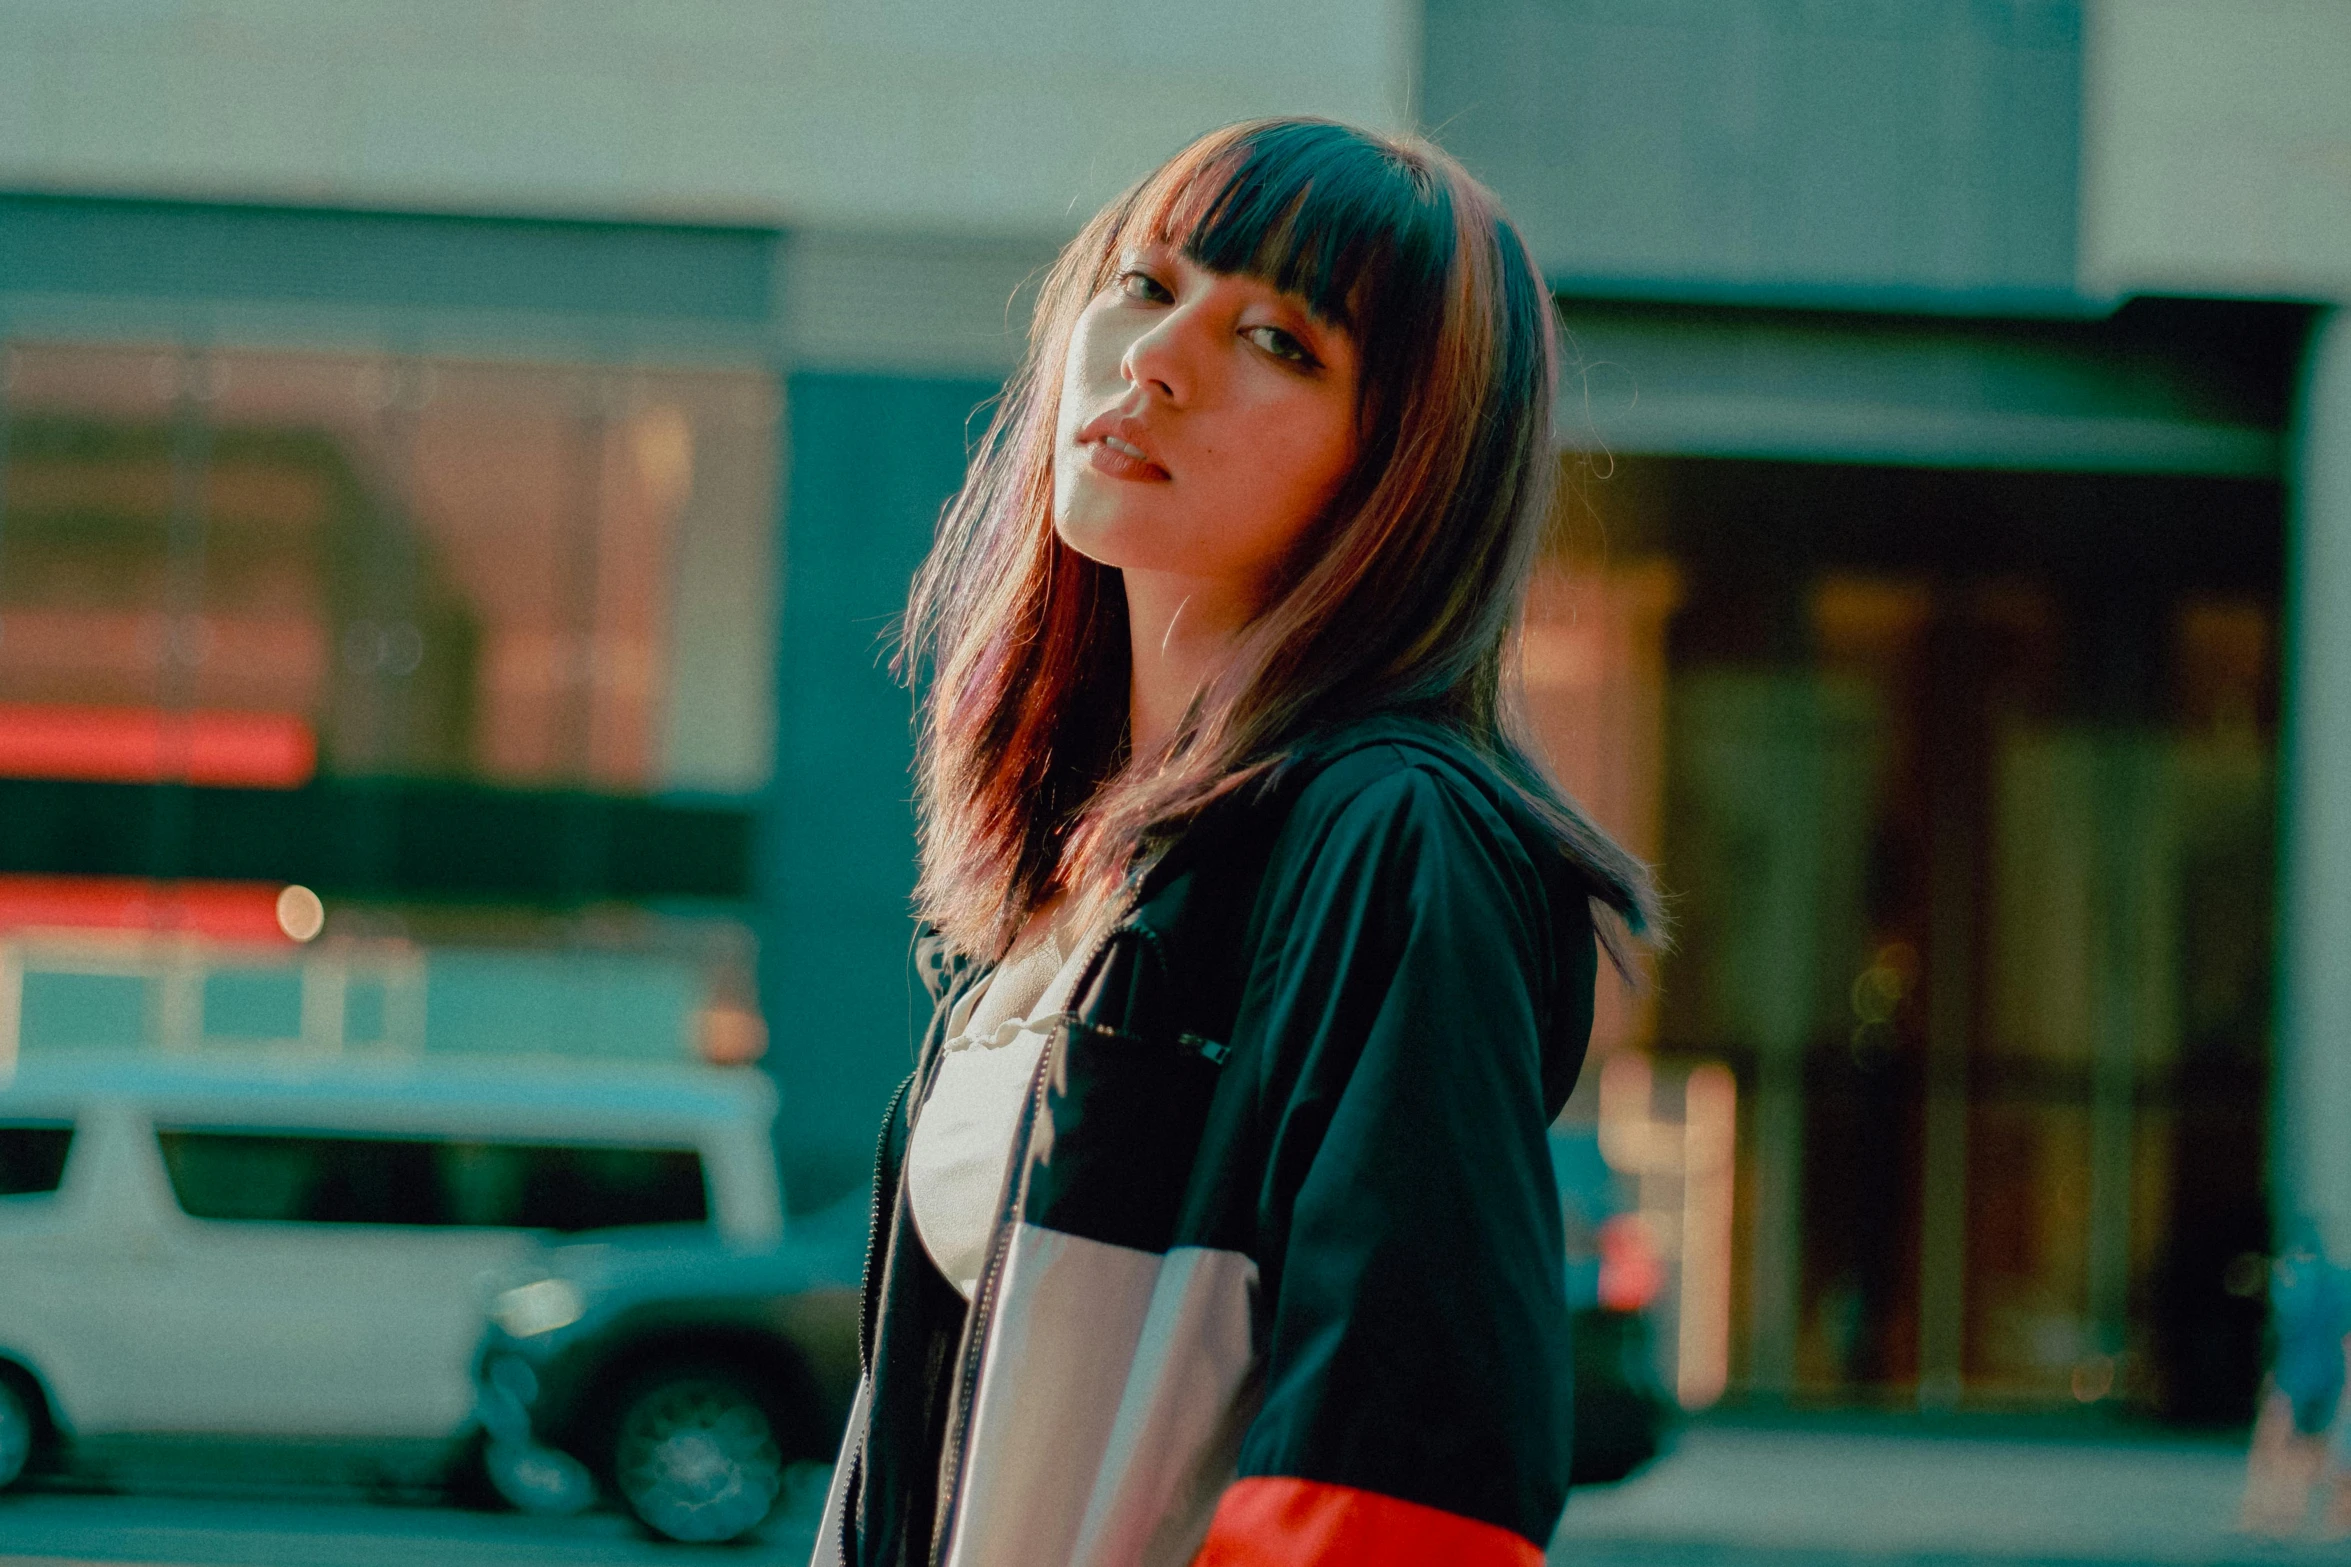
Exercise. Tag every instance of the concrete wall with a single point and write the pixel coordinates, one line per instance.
(970, 115)
(2312, 1127)
(1907, 152)
(2216, 148)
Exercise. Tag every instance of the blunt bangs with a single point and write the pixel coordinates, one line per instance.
(1315, 209)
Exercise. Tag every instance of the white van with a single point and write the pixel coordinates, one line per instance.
(267, 1249)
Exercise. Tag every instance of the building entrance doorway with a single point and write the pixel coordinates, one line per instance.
(1960, 785)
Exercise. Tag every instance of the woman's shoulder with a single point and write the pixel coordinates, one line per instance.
(1410, 825)
(1399, 765)
(1402, 788)
(1407, 793)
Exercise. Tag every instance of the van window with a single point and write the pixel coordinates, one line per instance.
(314, 1178)
(32, 1156)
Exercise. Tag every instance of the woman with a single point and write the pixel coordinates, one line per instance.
(1216, 1223)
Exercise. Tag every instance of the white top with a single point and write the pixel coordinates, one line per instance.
(963, 1133)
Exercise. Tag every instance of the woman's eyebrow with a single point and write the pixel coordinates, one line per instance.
(1298, 301)
(1324, 325)
(1293, 301)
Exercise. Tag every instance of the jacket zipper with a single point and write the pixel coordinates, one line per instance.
(868, 1307)
(983, 1295)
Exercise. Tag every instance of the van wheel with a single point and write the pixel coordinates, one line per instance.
(695, 1455)
(17, 1430)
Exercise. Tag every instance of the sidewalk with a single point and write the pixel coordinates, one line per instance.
(1787, 1494)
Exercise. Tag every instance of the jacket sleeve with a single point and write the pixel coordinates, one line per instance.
(1416, 1401)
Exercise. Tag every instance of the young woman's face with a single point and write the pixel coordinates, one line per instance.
(1206, 420)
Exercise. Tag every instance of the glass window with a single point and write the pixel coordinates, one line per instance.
(79, 1011)
(32, 1156)
(252, 1003)
(530, 575)
(1960, 785)
(340, 1179)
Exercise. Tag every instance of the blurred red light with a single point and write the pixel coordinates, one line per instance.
(1631, 1273)
(222, 910)
(150, 745)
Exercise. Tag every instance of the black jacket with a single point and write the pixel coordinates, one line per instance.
(1278, 1267)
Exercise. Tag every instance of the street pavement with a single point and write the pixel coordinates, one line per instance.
(1904, 1492)
(1730, 1495)
(63, 1530)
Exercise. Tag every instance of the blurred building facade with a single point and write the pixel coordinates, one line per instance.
(541, 407)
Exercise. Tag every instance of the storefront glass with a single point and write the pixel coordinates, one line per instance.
(1960, 787)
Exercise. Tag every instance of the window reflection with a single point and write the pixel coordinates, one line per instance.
(524, 574)
(32, 1157)
(1960, 785)
(307, 1179)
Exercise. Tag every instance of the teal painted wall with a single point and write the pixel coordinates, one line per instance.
(872, 460)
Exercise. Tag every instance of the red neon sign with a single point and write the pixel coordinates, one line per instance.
(150, 745)
(222, 910)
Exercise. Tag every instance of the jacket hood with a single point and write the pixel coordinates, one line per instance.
(1570, 890)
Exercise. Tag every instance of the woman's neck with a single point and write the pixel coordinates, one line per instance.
(1182, 629)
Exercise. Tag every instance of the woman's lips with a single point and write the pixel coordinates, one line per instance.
(1118, 459)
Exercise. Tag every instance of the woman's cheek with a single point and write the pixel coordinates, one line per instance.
(1317, 466)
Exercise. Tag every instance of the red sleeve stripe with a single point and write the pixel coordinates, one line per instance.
(1279, 1522)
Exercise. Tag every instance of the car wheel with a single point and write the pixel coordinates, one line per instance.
(17, 1431)
(695, 1455)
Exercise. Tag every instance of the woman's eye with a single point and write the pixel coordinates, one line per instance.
(1143, 286)
(1280, 344)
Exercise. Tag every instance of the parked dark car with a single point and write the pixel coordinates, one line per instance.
(691, 1382)
(687, 1380)
(1614, 1273)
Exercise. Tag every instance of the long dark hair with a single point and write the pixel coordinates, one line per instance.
(1404, 594)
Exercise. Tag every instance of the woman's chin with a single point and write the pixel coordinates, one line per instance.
(1105, 534)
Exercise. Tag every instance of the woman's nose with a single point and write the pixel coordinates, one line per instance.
(1165, 359)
